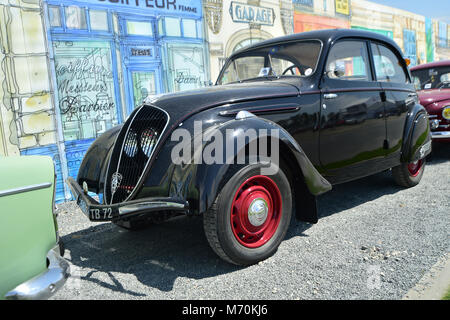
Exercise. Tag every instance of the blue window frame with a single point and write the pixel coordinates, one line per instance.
(179, 27)
(79, 20)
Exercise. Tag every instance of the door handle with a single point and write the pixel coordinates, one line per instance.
(330, 96)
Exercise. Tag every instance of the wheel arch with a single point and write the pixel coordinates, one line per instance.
(305, 180)
(416, 136)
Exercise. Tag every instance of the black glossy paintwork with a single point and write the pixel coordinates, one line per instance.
(365, 130)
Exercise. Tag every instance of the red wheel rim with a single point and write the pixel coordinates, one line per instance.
(256, 211)
(415, 167)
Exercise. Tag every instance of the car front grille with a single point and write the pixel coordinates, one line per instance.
(132, 152)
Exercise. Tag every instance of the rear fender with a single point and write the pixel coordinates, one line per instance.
(417, 135)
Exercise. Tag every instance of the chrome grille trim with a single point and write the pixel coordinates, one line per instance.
(134, 171)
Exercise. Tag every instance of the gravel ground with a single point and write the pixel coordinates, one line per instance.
(373, 241)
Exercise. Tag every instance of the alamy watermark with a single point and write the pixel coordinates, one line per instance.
(232, 146)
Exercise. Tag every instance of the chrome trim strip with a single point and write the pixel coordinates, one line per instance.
(32, 187)
(150, 205)
(45, 284)
(440, 135)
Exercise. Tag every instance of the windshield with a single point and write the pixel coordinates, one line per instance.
(432, 78)
(298, 59)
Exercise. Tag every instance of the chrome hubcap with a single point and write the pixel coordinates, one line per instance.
(258, 212)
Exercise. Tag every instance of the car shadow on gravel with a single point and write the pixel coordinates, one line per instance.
(160, 254)
(157, 255)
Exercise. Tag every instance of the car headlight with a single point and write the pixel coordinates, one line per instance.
(446, 112)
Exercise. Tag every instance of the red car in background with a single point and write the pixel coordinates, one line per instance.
(432, 82)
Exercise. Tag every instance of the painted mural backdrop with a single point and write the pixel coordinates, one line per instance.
(72, 69)
(310, 16)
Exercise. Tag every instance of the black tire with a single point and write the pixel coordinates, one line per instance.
(405, 177)
(217, 220)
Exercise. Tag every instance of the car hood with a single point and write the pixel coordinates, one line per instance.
(427, 97)
(182, 104)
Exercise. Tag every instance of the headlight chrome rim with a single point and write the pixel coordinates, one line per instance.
(446, 112)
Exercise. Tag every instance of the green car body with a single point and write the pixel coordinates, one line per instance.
(30, 263)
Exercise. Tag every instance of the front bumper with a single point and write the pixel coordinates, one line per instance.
(45, 284)
(440, 134)
(100, 212)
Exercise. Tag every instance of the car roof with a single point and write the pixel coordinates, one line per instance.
(435, 64)
(326, 36)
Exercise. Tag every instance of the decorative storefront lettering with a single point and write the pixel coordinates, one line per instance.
(169, 5)
(85, 86)
(186, 78)
(241, 12)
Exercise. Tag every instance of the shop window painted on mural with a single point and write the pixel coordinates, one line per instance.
(98, 20)
(85, 86)
(75, 17)
(172, 27)
(189, 28)
(55, 16)
(144, 85)
(139, 28)
(186, 67)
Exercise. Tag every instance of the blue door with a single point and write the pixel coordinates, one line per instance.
(143, 82)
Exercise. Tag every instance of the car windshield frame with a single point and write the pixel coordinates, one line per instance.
(422, 71)
(253, 51)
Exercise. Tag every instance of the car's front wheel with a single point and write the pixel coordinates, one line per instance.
(409, 174)
(250, 216)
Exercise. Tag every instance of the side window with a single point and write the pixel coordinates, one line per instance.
(388, 67)
(348, 60)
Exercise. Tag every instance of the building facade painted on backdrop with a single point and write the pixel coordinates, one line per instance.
(72, 69)
(233, 24)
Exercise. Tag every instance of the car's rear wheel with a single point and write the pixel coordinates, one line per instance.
(250, 216)
(409, 174)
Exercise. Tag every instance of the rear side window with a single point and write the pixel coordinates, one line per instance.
(348, 60)
(388, 67)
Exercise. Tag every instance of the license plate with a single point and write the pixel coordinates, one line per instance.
(95, 214)
(103, 214)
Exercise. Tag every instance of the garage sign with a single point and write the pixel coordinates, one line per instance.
(241, 12)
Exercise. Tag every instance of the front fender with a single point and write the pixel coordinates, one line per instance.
(202, 182)
(95, 162)
(417, 135)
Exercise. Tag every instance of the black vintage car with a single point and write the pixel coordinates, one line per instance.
(327, 107)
